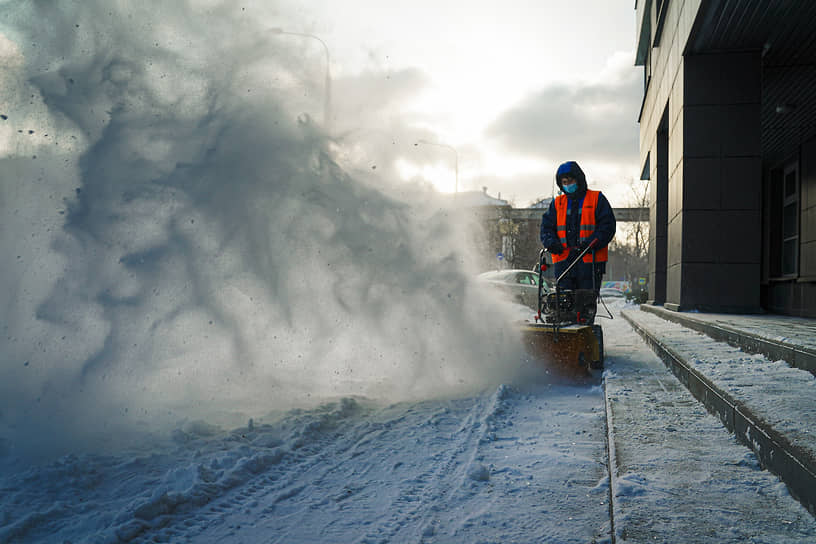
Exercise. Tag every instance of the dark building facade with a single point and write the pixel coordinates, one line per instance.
(728, 140)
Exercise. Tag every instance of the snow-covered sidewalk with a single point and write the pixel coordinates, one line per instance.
(775, 336)
(516, 464)
(797, 331)
(768, 403)
(678, 475)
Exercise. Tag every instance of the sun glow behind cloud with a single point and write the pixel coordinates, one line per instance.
(442, 178)
(478, 61)
(515, 89)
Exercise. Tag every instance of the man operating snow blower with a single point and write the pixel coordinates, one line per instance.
(577, 219)
(575, 230)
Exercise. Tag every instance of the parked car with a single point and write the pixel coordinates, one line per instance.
(611, 292)
(520, 285)
(622, 286)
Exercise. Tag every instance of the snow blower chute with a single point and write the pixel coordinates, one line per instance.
(563, 335)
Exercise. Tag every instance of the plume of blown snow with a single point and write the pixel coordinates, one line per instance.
(182, 243)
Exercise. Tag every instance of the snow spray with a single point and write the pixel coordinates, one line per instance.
(180, 240)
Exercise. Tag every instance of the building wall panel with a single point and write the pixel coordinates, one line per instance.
(737, 286)
(738, 79)
(704, 183)
(741, 183)
(741, 129)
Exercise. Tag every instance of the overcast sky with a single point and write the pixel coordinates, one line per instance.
(515, 86)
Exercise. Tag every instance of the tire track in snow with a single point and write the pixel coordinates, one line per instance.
(282, 501)
(435, 471)
(316, 440)
(228, 473)
(414, 515)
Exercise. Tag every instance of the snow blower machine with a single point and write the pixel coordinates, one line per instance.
(563, 335)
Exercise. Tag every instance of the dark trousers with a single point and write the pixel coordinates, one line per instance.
(581, 276)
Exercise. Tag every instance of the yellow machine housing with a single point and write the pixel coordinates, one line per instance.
(569, 350)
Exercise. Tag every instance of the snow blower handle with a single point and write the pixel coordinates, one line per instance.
(577, 259)
(542, 267)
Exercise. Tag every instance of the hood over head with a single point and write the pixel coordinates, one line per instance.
(571, 169)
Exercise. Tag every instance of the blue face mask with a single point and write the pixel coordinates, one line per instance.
(569, 189)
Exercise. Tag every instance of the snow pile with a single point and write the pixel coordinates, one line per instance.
(145, 492)
(183, 244)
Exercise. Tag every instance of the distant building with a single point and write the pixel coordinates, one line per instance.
(498, 241)
(728, 140)
(543, 204)
(470, 199)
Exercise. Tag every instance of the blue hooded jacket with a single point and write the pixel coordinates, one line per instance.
(605, 223)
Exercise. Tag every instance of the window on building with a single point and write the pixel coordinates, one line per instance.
(646, 173)
(661, 7)
(790, 221)
(647, 72)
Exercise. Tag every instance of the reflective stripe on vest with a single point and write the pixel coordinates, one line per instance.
(587, 226)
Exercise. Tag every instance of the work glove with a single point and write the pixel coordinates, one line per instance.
(556, 248)
(582, 245)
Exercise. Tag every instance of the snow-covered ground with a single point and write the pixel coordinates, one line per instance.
(521, 462)
(678, 475)
(780, 395)
(773, 327)
(220, 324)
(513, 464)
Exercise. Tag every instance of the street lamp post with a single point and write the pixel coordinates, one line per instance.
(327, 82)
(456, 158)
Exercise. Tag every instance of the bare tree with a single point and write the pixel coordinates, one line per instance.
(639, 234)
(630, 248)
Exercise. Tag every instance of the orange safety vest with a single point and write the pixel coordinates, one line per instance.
(587, 226)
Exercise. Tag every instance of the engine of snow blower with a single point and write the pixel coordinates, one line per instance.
(567, 307)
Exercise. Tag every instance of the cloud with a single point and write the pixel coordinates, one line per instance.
(595, 119)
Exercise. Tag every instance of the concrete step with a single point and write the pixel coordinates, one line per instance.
(767, 404)
(791, 339)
